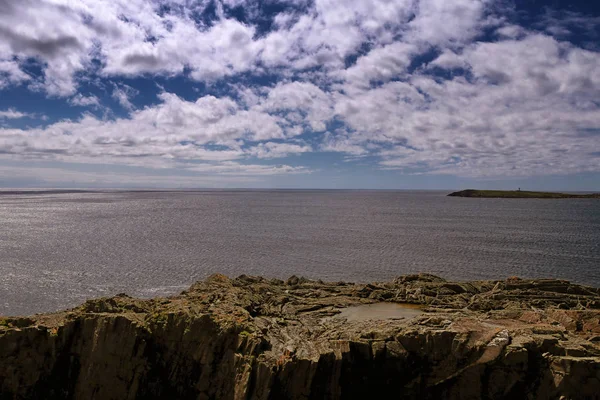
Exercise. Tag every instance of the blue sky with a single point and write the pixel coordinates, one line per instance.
(407, 94)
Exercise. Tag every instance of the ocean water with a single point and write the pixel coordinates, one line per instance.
(56, 250)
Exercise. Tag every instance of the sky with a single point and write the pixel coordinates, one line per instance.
(372, 94)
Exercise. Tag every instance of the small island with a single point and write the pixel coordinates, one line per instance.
(521, 194)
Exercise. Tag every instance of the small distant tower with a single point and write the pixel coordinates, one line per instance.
(519, 189)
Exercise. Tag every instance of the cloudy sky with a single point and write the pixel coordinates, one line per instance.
(300, 93)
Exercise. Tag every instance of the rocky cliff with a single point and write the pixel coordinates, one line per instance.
(250, 338)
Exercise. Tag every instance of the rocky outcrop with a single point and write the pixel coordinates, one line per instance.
(253, 338)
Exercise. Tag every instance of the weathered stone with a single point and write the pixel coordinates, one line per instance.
(253, 338)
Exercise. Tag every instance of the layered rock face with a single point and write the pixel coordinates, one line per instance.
(250, 338)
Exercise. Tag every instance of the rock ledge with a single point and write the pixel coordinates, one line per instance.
(253, 338)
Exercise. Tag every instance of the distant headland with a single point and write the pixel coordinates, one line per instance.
(521, 194)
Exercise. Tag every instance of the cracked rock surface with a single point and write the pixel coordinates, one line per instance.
(418, 336)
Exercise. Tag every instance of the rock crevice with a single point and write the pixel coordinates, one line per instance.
(253, 338)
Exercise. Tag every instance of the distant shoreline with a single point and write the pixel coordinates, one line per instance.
(462, 193)
(44, 191)
(519, 194)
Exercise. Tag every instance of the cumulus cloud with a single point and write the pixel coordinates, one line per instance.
(303, 97)
(52, 33)
(40, 175)
(11, 74)
(123, 94)
(381, 64)
(522, 113)
(342, 142)
(84, 101)
(441, 22)
(162, 136)
(134, 37)
(234, 168)
(277, 150)
(422, 86)
(519, 107)
(11, 113)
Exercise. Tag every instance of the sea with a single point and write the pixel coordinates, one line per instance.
(59, 249)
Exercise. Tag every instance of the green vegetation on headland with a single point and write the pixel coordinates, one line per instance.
(521, 194)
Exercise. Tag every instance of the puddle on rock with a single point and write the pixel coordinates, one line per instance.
(381, 311)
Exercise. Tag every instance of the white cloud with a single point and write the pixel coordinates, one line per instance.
(442, 22)
(524, 103)
(11, 113)
(381, 64)
(511, 31)
(333, 30)
(528, 108)
(303, 97)
(44, 30)
(343, 143)
(449, 60)
(11, 74)
(234, 168)
(537, 68)
(277, 150)
(85, 101)
(204, 176)
(131, 37)
(163, 136)
(123, 94)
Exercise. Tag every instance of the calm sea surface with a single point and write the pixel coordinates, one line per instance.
(56, 250)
